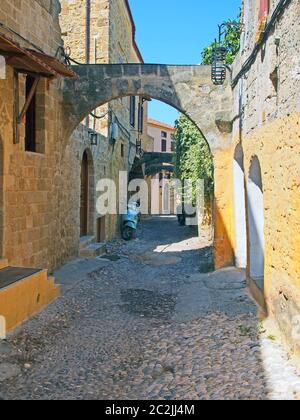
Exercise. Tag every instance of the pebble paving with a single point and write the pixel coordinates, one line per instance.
(152, 322)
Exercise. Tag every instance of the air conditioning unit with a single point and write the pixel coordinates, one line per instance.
(115, 131)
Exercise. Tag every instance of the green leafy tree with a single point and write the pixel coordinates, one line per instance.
(231, 42)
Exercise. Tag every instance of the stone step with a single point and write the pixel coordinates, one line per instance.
(93, 250)
(86, 241)
(52, 283)
(3, 263)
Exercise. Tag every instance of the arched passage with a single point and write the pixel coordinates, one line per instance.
(240, 208)
(256, 223)
(190, 90)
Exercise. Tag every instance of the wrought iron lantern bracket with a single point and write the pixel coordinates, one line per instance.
(219, 66)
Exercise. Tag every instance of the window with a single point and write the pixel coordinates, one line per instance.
(164, 145)
(30, 125)
(172, 146)
(122, 150)
(164, 134)
(132, 110)
(141, 118)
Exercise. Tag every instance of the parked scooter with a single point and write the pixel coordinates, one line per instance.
(130, 221)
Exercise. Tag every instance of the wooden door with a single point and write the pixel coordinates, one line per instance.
(101, 233)
(84, 199)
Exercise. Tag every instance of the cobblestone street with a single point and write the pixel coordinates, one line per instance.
(147, 322)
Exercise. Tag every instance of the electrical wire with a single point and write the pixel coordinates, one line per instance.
(99, 117)
(249, 62)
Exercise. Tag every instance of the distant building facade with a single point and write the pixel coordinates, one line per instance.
(163, 135)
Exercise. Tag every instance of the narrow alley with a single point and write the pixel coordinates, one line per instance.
(144, 322)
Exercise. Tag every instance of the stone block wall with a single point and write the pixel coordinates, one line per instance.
(111, 41)
(20, 16)
(30, 182)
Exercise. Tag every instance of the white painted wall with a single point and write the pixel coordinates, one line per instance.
(256, 222)
(155, 130)
(240, 209)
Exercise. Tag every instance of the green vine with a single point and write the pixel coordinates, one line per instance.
(193, 160)
(231, 42)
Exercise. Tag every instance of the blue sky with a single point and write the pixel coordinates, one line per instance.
(175, 32)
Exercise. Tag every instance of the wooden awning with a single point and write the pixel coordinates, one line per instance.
(29, 61)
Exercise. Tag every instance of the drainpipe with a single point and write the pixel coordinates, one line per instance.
(87, 38)
(88, 32)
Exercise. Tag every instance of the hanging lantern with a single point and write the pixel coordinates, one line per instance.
(93, 138)
(218, 71)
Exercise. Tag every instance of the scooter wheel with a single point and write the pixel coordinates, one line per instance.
(181, 220)
(127, 233)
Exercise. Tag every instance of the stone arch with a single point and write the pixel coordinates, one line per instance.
(189, 89)
(240, 208)
(88, 202)
(256, 223)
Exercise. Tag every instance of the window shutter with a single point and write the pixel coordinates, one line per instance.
(264, 9)
(263, 16)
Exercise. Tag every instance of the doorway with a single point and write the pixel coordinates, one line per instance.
(240, 209)
(84, 196)
(101, 232)
(256, 223)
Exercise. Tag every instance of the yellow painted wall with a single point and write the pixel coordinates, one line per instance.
(277, 146)
(223, 242)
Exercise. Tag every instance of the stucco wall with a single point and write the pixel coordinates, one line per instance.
(268, 127)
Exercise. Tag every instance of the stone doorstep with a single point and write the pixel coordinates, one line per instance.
(24, 297)
(93, 250)
(85, 241)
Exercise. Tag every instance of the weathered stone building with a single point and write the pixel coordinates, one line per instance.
(266, 156)
(100, 32)
(49, 174)
(31, 135)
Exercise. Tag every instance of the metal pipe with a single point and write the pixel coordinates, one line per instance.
(87, 40)
(88, 31)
